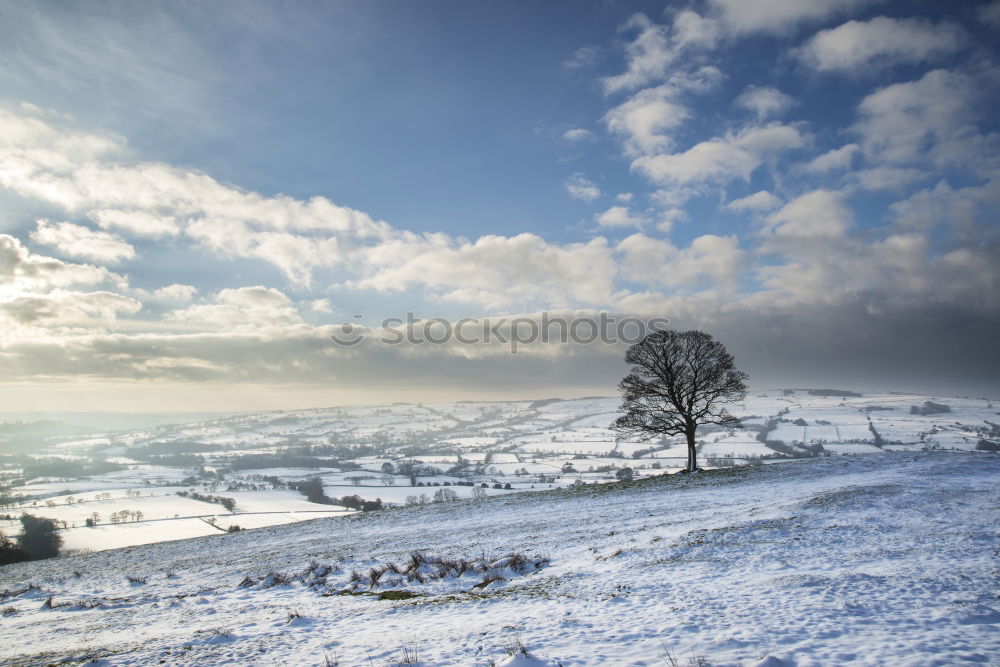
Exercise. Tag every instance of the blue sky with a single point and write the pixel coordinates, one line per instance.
(810, 182)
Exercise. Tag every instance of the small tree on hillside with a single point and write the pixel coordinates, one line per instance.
(445, 496)
(679, 380)
(39, 537)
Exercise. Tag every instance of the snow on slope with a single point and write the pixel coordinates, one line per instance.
(878, 559)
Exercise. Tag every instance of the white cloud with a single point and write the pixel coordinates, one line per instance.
(777, 16)
(721, 159)
(27, 143)
(657, 47)
(577, 134)
(860, 45)
(321, 305)
(887, 178)
(816, 214)
(818, 259)
(79, 241)
(62, 308)
(295, 255)
(82, 173)
(619, 216)
(493, 270)
(771, 138)
(21, 270)
(39, 295)
(175, 292)
(757, 202)
(138, 222)
(963, 212)
(838, 158)
(933, 117)
(693, 29)
(717, 259)
(764, 101)
(820, 265)
(643, 119)
(241, 309)
(579, 187)
(32, 108)
(716, 159)
(649, 55)
(173, 295)
(668, 216)
(624, 197)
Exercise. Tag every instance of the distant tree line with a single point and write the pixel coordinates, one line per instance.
(283, 460)
(930, 408)
(228, 503)
(312, 489)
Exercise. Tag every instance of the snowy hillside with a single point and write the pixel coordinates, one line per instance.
(150, 484)
(881, 559)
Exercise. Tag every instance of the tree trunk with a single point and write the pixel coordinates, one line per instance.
(692, 452)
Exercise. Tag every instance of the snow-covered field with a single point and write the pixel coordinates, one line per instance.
(882, 559)
(370, 452)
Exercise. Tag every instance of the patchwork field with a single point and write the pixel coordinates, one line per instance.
(174, 480)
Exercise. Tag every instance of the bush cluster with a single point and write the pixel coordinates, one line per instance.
(39, 538)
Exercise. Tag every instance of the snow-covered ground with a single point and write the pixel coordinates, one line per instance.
(881, 559)
(368, 450)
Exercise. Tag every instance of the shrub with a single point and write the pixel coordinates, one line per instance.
(929, 408)
(514, 645)
(39, 537)
(625, 475)
(421, 568)
(9, 553)
(358, 503)
(408, 655)
(444, 495)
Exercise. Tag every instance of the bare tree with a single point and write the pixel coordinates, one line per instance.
(445, 496)
(678, 381)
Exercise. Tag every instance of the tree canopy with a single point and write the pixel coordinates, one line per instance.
(39, 537)
(678, 381)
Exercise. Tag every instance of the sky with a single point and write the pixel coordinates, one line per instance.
(194, 197)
